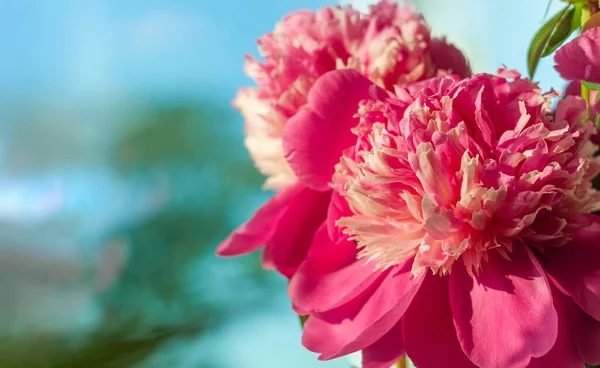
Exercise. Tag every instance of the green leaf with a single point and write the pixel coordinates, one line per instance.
(567, 24)
(539, 43)
(303, 320)
(591, 86)
(578, 2)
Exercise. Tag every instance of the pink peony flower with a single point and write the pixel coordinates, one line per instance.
(470, 240)
(579, 59)
(390, 45)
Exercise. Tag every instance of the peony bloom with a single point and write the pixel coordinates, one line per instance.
(470, 239)
(579, 59)
(390, 45)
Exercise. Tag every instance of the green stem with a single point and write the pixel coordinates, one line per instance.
(585, 15)
(585, 93)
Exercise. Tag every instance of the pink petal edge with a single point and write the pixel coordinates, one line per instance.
(255, 232)
(364, 320)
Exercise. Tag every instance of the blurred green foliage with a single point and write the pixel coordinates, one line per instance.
(168, 290)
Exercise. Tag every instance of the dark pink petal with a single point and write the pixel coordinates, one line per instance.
(575, 267)
(505, 315)
(573, 89)
(386, 351)
(291, 238)
(314, 139)
(330, 276)
(258, 230)
(564, 353)
(428, 330)
(365, 319)
(579, 59)
(587, 336)
(448, 58)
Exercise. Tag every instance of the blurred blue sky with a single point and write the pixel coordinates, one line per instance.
(72, 49)
(71, 54)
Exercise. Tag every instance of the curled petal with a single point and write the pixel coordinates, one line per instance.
(314, 139)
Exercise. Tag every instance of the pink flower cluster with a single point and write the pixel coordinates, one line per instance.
(390, 45)
(421, 210)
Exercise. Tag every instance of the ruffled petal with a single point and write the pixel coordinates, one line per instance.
(508, 303)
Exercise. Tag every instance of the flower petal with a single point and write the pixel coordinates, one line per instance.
(314, 139)
(564, 353)
(292, 236)
(509, 303)
(579, 59)
(258, 230)
(448, 58)
(330, 276)
(337, 209)
(429, 334)
(575, 267)
(588, 337)
(386, 351)
(365, 319)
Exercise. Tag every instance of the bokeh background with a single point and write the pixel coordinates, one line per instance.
(123, 167)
